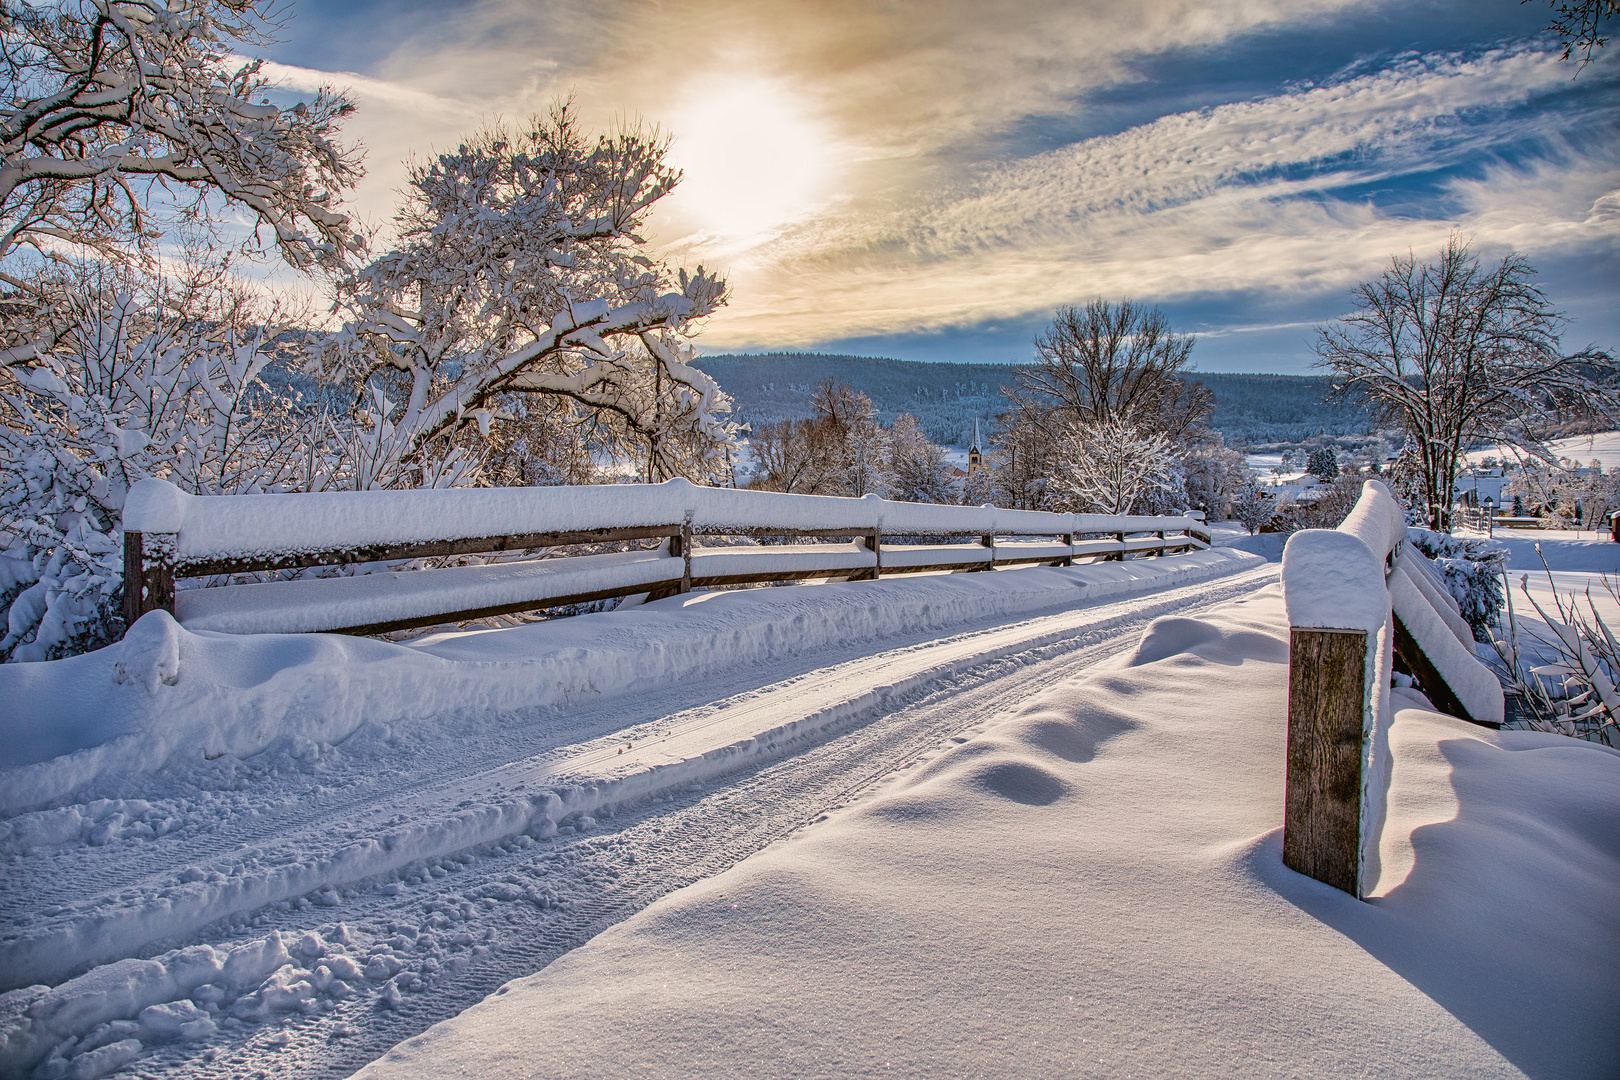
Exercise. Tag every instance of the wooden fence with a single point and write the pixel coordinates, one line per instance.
(1363, 604)
(170, 536)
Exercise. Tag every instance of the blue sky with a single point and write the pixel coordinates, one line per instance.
(928, 180)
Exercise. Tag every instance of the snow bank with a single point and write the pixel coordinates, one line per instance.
(168, 691)
(1094, 885)
(181, 995)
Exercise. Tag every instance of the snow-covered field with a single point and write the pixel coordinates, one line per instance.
(956, 825)
(1604, 446)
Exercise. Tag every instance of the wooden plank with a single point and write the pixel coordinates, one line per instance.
(148, 574)
(503, 609)
(762, 577)
(1412, 660)
(1327, 671)
(475, 545)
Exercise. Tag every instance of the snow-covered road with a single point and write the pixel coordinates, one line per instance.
(390, 881)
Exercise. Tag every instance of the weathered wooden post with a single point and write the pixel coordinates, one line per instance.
(154, 511)
(1117, 556)
(148, 574)
(681, 544)
(1338, 677)
(1068, 560)
(873, 542)
(1322, 809)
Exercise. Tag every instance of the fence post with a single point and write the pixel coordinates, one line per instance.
(988, 541)
(148, 574)
(1118, 556)
(686, 554)
(874, 541)
(1068, 560)
(1327, 671)
(1160, 552)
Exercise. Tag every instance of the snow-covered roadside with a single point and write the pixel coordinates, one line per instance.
(164, 691)
(1093, 886)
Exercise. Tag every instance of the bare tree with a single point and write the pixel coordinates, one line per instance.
(841, 450)
(1460, 353)
(114, 115)
(1580, 25)
(1106, 362)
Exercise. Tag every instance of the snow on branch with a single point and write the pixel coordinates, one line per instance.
(520, 270)
(102, 99)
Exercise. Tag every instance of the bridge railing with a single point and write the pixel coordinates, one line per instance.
(1363, 604)
(171, 536)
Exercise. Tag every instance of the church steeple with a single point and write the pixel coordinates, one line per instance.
(975, 456)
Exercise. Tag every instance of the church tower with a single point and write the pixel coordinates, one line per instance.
(975, 456)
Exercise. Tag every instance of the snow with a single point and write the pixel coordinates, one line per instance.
(1332, 582)
(1083, 880)
(167, 690)
(785, 559)
(1564, 549)
(1092, 885)
(1426, 579)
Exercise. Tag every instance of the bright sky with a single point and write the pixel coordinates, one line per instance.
(928, 179)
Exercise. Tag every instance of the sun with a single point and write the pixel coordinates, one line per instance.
(754, 157)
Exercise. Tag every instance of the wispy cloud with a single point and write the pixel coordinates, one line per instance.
(1240, 197)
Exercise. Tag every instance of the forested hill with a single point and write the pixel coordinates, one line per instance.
(947, 397)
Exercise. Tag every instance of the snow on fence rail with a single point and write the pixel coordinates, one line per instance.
(1363, 603)
(169, 535)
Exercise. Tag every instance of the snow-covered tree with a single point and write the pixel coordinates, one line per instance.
(520, 269)
(1107, 467)
(1251, 507)
(917, 468)
(119, 118)
(1323, 463)
(148, 377)
(1215, 472)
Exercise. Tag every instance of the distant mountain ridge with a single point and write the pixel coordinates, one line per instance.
(945, 398)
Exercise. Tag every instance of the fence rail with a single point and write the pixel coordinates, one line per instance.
(1363, 604)
(170, 536)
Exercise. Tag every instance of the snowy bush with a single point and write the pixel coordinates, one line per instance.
(1562, 675)
(1473, 568)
